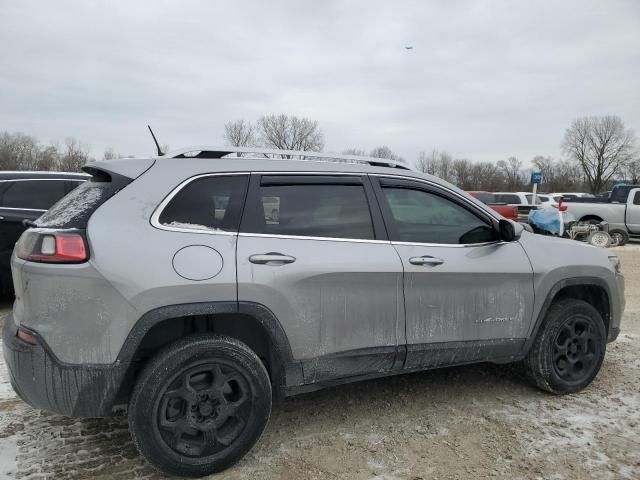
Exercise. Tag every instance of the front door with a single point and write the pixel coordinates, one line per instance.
(633, 211)
(468, 296)
(313, 252)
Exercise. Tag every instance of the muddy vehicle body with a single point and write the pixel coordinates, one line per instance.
(165, 284)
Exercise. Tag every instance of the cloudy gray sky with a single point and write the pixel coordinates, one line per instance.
(485, 80)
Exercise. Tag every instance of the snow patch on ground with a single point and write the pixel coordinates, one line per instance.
(8, 454)
(582, 425)
(6, 391)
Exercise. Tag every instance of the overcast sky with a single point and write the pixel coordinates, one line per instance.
(485, 79)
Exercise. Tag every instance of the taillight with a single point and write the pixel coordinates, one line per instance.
(51, 246)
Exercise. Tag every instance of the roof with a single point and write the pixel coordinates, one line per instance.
(26, 175)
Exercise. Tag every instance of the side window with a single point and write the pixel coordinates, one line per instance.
(507, 198)
(424, 217)
(33, 194)
(636, 199)
(313, 210)
(208, 203)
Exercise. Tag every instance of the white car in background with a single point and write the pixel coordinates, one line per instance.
(523, 198)
(570, 195)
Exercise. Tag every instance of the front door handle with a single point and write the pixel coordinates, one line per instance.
(426, 260)
(271, 258)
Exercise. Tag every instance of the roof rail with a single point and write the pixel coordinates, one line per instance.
(219, 152)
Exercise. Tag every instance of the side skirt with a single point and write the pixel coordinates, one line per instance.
(368, 364)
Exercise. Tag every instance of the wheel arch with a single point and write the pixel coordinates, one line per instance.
(592, 290)
(251, 323)
(590, 217)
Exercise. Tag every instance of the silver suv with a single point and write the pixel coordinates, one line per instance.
(195, 287)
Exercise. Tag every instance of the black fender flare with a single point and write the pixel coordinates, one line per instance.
(259, 312)
(551, 294)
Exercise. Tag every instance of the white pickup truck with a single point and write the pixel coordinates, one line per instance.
(622, 215)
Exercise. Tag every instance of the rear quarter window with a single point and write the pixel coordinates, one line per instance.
(209, 204)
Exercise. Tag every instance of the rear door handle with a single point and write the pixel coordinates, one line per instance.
(271, 258)
(426, 260)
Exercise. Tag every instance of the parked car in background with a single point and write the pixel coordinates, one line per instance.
(573, 196)
(621, 211)
(507, 211)
(172, 288)
(26, 196)
(518, 199)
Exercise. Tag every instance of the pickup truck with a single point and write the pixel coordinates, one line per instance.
(509, 212)
(621, 211)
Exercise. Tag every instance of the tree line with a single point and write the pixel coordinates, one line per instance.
(597, 152)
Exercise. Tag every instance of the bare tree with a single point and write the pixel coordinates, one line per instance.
(48, 158)
(240, 133)
(290, 133)
(437, 163)
(111, 154)
(385, 152)
(632, 172)
(355, 151)
(463, 175)
(74, 156)
(511, 170)
(601, 145)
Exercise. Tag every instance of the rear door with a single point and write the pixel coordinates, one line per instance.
(468, 296)
(633, 211)
(313, 250)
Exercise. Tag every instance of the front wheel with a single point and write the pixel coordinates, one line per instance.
(569, 348)
(200, 405)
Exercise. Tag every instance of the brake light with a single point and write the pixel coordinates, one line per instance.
(49, 246)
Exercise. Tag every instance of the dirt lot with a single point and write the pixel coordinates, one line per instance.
(482, 421)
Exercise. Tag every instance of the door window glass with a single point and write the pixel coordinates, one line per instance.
(636, 199)
(209, 203)
(507, 198)
(423, 217)
(314, 210)
(33, 194)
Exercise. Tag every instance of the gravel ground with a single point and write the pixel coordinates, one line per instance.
(479, 421)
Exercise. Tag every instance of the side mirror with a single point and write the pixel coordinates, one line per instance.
(509, 231)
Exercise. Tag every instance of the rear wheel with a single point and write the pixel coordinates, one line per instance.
(200, 405)
(569, 348)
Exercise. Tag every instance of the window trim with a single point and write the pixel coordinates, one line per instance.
(429, 187)
(155, 216)
(313, 178)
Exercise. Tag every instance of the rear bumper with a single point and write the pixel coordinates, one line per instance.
(44, 382)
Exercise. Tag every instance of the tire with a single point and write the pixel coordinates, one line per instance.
(600, 239)
(620, 235)
(199, 405)
(569, 348)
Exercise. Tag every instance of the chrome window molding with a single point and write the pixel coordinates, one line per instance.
(42, 180)
(155, 217)
(451, 245)
(21, 209)
(300, 237)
